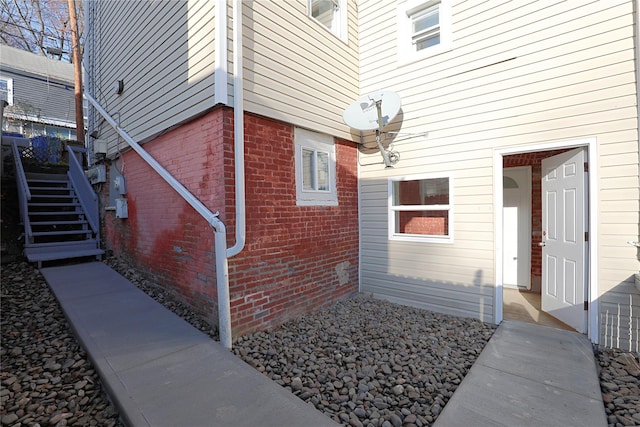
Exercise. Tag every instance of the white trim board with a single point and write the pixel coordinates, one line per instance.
(525, 255)
(591, 145)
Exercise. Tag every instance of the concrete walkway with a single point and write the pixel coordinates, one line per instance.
(157, 368)
(529, 375)
(161, 371)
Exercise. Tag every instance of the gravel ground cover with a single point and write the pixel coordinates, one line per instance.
(46, 378)
(620, 385)
(367, 362)
(362, 361)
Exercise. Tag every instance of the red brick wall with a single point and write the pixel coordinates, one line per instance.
(296, 258)
(164, 236)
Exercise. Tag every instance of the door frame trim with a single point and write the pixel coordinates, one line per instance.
(530, 207)
(590, 144)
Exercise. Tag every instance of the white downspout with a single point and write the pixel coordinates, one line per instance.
(238, 130)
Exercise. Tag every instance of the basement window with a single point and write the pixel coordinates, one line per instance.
(421, 208)
(315, 164)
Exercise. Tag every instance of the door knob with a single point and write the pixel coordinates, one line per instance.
(542, 244)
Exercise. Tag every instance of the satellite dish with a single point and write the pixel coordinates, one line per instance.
(373, 112)
(363, 113)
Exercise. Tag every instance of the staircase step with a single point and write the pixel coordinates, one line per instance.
(60, 233)
(34, 189)
(61, 251)
(47, 181)
(55, 213)
(45, 176)
(74, 245)
(53, 204)
(52, 196)
(60, 223)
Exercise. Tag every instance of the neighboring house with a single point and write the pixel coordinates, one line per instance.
(39, 92)
(517, 138)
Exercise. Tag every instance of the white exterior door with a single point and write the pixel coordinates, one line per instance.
(516, 228)
(563, 238)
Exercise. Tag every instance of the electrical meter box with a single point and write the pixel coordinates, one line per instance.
(97, 174)
(100, 146)
(122, 210)
(119, 185)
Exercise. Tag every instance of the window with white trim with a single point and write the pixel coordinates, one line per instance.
(424, 29)
(331, 14)
(315, 164)
(421, 208)
(6, 89)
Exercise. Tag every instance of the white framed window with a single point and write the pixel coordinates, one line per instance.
(421, 208)
(315, 165)
(6, 89)
(331, 14)
(424, 29)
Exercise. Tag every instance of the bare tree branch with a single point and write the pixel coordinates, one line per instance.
(39, 26)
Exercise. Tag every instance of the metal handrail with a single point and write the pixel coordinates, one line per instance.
(24, 194)
(220, 239)
(86, 196)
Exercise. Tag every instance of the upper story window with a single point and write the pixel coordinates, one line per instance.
(421, 209)
(315, 164)
(331, 14)
(424, 29)
(6, 89)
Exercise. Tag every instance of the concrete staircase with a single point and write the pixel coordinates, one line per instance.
(59, 226)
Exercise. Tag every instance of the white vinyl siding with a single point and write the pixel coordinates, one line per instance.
(295, 70)
(519, 74)
(163, 51)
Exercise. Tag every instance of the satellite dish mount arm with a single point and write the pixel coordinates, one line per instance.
(385, 155)
(360, 115)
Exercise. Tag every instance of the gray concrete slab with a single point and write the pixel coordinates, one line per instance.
(529, 375)
(158, 369)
